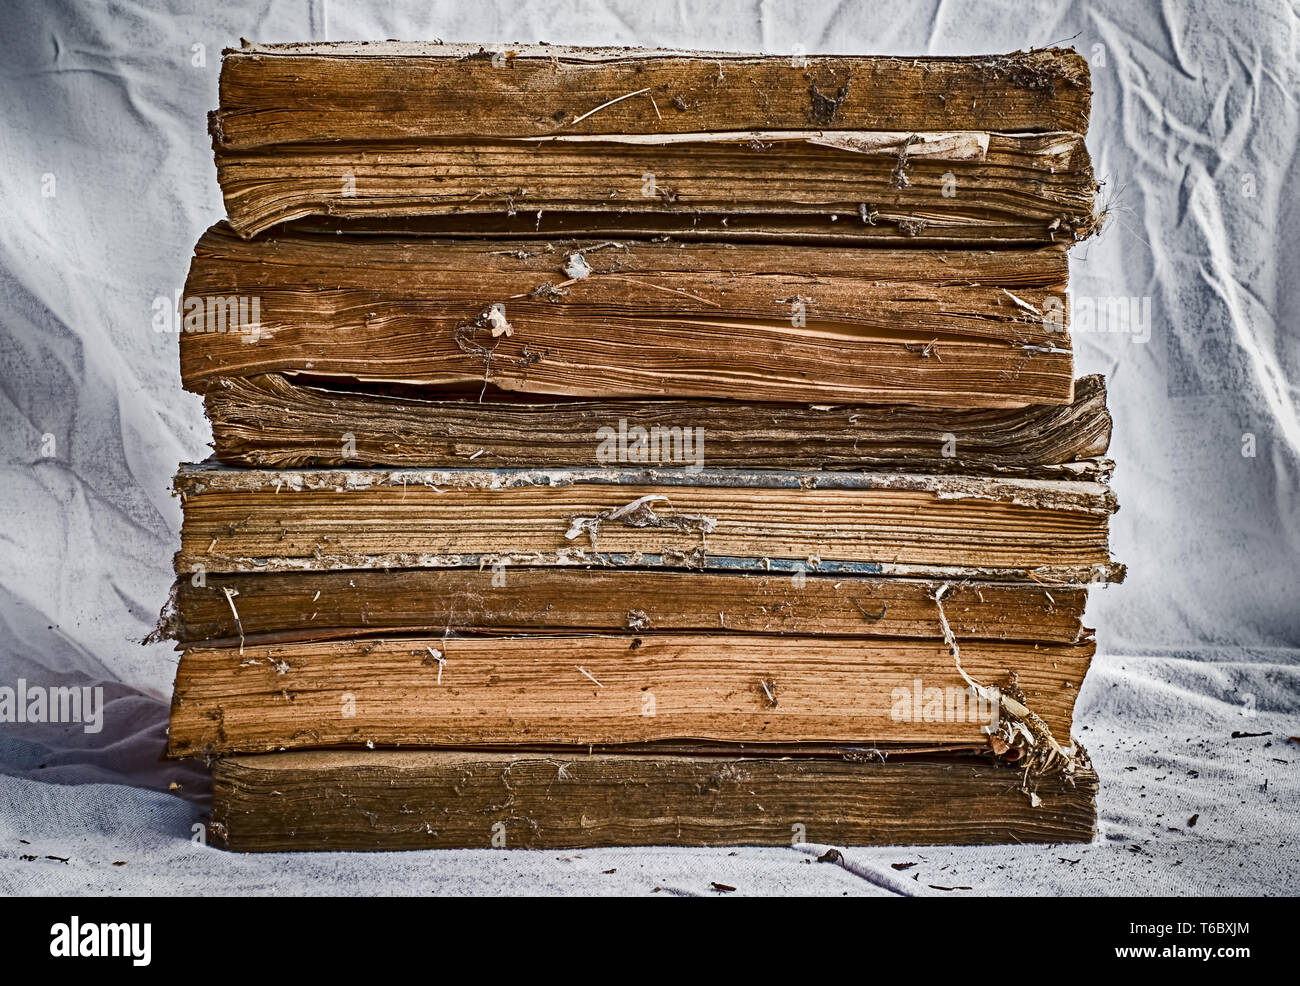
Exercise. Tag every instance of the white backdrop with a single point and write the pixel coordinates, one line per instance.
(106, 182)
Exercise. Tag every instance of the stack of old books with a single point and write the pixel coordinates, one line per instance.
(640, 447)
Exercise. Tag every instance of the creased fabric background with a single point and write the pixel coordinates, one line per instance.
(1194, 131)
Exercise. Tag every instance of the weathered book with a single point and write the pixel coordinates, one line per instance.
(274, 421)
(833, 325)
(864, 523)
(281, 607)
(362, 800)
(927, 188)
(303, 93)
(482, 691)
(986, 149)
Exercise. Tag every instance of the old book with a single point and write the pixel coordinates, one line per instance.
(278, 607)
(955, 328)
(273, 420)
(860, 147)
(927, 188)
(868, 523)
(626, 688)
(303, 93)
(421, 800)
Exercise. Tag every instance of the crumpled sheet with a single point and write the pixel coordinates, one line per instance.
(1194, 131)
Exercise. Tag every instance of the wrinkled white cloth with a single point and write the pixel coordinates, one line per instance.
(107, 182)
